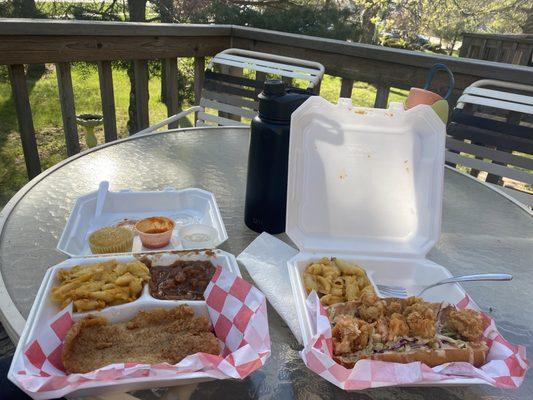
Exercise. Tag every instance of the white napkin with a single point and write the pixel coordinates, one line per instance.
(266, 261)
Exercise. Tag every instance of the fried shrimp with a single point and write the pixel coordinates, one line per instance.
(467, 323)
(350, 334)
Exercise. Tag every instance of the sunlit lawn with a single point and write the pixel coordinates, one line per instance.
(47, 120)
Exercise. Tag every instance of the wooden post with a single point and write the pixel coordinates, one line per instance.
(317, 87)
(25, 120)
(68, 110)
(261, 77)
(499, 47)
(108, 100)
(287, 81)
(512, 51)
(235, 71)
(171, 89)
(199, 67)
(224, 69)
(346, 88)
(514, 118)
(482, 49)
(382, 96)
(140, 69)
(464, 51)
(469, 108)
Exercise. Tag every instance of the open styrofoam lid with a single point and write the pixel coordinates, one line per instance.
(365, 181)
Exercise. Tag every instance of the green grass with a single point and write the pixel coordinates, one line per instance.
(363, 94)
(47, 120)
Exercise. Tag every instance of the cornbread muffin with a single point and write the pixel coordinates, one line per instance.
(111, 240)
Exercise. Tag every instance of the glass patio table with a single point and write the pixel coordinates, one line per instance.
(482, 231)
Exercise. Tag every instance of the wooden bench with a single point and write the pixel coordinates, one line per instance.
(227, 96)
(491, 130)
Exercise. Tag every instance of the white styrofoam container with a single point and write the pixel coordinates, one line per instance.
(183, 206)
(365, 185)
(44, 309)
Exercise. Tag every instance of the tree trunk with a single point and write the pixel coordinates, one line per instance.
(137, 12)
(367, 27)
(26, 9)
(453, 44)
(167, 14)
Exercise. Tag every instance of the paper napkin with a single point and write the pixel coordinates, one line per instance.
(266, 261)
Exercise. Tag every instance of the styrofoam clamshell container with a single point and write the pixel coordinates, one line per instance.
(184, 206)
(365, 185)
(44, 309)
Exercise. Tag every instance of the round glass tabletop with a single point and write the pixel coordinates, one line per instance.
(482, 231)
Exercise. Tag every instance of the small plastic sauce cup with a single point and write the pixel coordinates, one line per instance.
(155, 232)
(197, 236)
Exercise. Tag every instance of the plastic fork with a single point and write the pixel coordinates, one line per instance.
(399, 291)
(103, 188)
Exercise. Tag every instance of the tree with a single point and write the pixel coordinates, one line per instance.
(25, 9)
(446, 19)
(458, 16)
(320, 18)
(137, 13)
(528, 24)
(165, 9)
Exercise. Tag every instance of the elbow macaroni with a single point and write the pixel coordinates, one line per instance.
(336, 280)
(95, 286)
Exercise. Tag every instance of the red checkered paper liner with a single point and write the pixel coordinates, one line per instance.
(505, 367)
(239, 316)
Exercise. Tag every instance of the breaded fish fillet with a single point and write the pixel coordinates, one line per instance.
(151, 337)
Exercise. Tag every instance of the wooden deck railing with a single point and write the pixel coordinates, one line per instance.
(62, 42)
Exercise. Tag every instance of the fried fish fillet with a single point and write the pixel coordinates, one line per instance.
(151, 337)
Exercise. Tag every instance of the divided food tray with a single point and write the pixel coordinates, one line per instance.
(44, 309)
(185, 207)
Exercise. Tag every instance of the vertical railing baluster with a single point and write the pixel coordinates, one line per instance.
(171, 89)
(382, 96)
(107, 95)
(318, 86)
(346, 88)
(199, 67)
(261, 77)
(287, 80)
(482, 49)
(140, 69)
(235, 71)
(21, 98)
(224, 69)
(68, 110)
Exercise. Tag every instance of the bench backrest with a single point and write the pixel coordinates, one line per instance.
(228, 99)
(491, 131)
(231, 97)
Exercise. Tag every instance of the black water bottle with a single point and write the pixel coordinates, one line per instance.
(266, 185)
